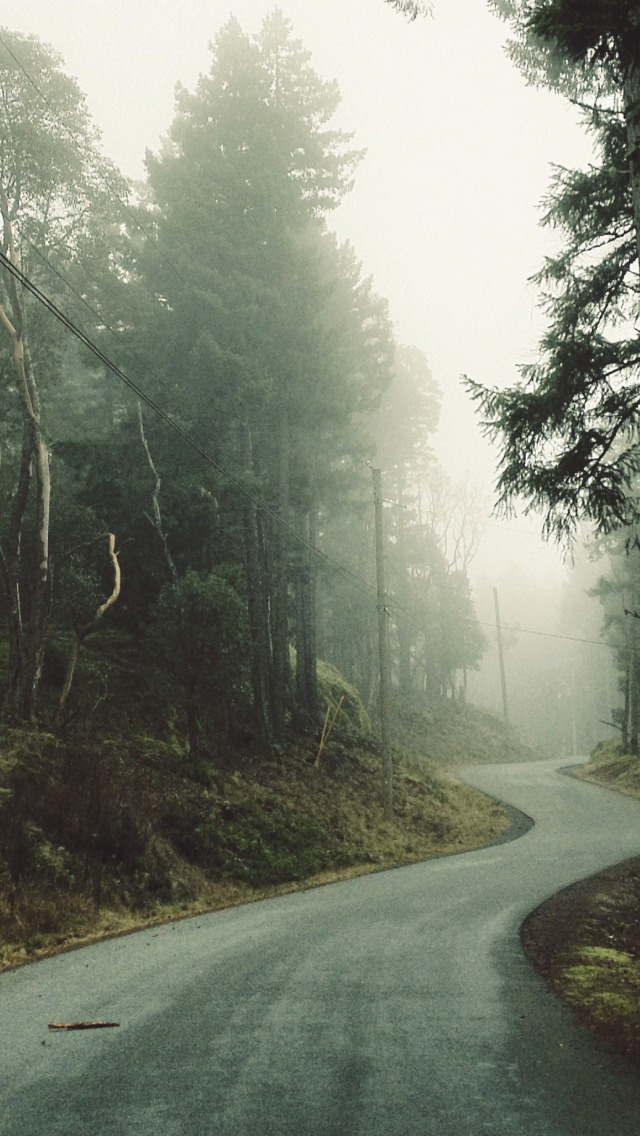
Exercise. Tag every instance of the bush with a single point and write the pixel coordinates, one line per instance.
(252, 844)
(198, 639)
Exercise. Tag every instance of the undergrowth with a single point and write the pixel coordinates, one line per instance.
(126, 831)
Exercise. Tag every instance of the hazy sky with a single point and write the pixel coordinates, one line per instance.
(445, 210)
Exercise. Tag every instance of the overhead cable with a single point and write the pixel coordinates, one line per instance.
(80, 335)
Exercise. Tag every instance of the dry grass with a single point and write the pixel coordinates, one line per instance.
(585, 941)
(610, 767)
(453, 734)
(434, 815)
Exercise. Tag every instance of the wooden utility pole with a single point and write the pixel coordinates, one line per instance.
(383, 649)
(503, 680)
(574, 716)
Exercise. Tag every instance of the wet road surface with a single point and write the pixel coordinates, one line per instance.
(391, 1005)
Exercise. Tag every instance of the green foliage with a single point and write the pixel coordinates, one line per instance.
(591, 31)
(59, 189)
(198, 638)
(333, 686)
(253, 844)
(259, 333)
(578, 48)
(569, 430)
(409, 411)
(603, 982)
(411, 8)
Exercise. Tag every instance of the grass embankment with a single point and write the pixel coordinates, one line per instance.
(105, 839)
(610, 767)
(455, 735)
(585, 941)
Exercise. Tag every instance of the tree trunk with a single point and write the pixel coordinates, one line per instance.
(192, 724)
(403, 628)
(82, 632)
(11, 564)
(258, 625)
(625, 712)
(634, 712)
(306, 649)
(156, 517)
(281, 673)
(35, 639)
(631, 96)
(257, 606)
(634, 691)
(26, 665)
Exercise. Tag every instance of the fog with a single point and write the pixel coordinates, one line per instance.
(444, 215)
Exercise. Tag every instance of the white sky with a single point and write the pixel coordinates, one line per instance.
(445, 210)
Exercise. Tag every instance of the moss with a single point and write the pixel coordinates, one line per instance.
(606, 956)
(332, 686)
(604, 984)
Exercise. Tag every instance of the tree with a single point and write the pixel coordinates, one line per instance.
(50, 198)
(619, 594)
(429, 546)
(591, 45)
(569, 432)
(263, 325)
(569, 429)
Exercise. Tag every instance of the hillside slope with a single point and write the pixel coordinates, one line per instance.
(103, 839)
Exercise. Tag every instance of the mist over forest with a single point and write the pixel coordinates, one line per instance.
(219, 290)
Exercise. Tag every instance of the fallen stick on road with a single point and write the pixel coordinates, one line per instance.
(82, 1025)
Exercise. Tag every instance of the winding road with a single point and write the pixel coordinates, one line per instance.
(390, 1005)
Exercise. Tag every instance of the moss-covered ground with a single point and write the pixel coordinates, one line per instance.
(585, 941)
(101, 839)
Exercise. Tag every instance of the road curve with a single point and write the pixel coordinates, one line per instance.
(391, 1005)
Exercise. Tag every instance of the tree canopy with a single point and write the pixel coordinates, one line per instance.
(223, 289)
(568, 430)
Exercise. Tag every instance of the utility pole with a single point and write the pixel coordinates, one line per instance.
(383, 649)
(503, 680)
(574, 716)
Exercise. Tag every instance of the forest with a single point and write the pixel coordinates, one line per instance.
(197, 382)
(200, 386)
(237, 619)
(255, 379)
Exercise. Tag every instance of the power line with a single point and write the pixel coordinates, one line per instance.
(399, 611)
(363, 585)
(548, 634)
(55, 311)
(93, 311)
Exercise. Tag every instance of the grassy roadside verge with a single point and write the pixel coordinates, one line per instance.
(234, 836)
(585, 941)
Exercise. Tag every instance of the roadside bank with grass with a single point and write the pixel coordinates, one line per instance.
(585, 941)
(103, 839)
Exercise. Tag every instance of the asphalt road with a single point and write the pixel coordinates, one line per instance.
(391, 1005)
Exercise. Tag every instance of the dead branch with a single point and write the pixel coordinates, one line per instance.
(156, 520)
(327, 728)
(82, 1025)
(82, 632)
(614, 725)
